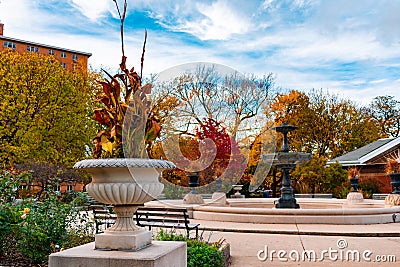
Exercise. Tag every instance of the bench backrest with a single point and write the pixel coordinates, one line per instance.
(166, 215)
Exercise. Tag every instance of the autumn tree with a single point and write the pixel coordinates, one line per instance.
(188, 146)
(234, 100)
(328, 126)
(313, 177)
(44, 112)
(210, 151)
(385, 113)
(228, 163)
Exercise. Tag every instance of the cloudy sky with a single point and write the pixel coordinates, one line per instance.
(349, 47)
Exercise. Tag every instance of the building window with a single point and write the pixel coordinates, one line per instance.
(63, 55)
(69, 188)
(32, 49)
(57, 188)
(10, 45)
(51, 52)
(75, 57)
(64, 65)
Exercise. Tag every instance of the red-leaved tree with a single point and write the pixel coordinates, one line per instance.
(228, 164)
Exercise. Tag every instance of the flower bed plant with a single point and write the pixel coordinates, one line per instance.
(32, 229)
(199, 252)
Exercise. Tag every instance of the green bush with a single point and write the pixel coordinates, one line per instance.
(8, 220)
(43, 229)
(33, 229)
(199, 252)
(9, 184)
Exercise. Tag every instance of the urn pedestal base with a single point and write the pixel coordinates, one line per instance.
(124, 234)
(123, 240)
(218, 199)
(193, 199)
(392, 200)
(354, 197)
(159, 254)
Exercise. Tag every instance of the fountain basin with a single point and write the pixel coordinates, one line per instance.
(312, 211)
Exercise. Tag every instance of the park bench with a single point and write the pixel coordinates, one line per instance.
(103, 218)
(165, 217)
(313, 195)
(379, 196)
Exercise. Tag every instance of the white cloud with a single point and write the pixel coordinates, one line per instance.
(218, 20)
(222, 21)
(377, 81)
(17, 21)
(93, 9)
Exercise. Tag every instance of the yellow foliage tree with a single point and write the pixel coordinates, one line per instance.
(328, 126)
(44, 111)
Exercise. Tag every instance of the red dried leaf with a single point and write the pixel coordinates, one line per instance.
(122, 65)
(102, 116)
(106, 88)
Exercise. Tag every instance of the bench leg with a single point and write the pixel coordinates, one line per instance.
(187, 233)
(97, 227)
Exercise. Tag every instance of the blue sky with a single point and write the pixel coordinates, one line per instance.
(348, 47)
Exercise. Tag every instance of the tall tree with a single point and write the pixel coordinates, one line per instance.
(314, 177)
(228, 163)
(385, 112)
(328, 126)
(44, 112)
(234, 100)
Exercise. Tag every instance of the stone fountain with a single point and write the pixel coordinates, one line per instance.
(286, 161)
(286, 210)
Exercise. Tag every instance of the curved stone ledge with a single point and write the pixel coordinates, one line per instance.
(296, 216)
(124, 162)
(331, 212)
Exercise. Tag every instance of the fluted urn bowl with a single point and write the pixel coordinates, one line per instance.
(125, 184)
(124, 181)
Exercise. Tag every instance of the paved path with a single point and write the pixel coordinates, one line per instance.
(330, 243)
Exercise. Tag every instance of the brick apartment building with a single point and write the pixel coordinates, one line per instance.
(68, 58)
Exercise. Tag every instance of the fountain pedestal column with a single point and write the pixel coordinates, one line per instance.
(287, 199)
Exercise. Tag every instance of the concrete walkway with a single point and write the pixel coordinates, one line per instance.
(306, 244)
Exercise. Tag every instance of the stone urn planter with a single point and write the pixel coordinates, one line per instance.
(237, 188)
(192, 197)
(354, 196)
(393, 199)
(125, 184)
(395, 182)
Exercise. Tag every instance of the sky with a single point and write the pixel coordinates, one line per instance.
(347, 47)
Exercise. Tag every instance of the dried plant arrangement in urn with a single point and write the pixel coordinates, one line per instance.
(122, 174)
